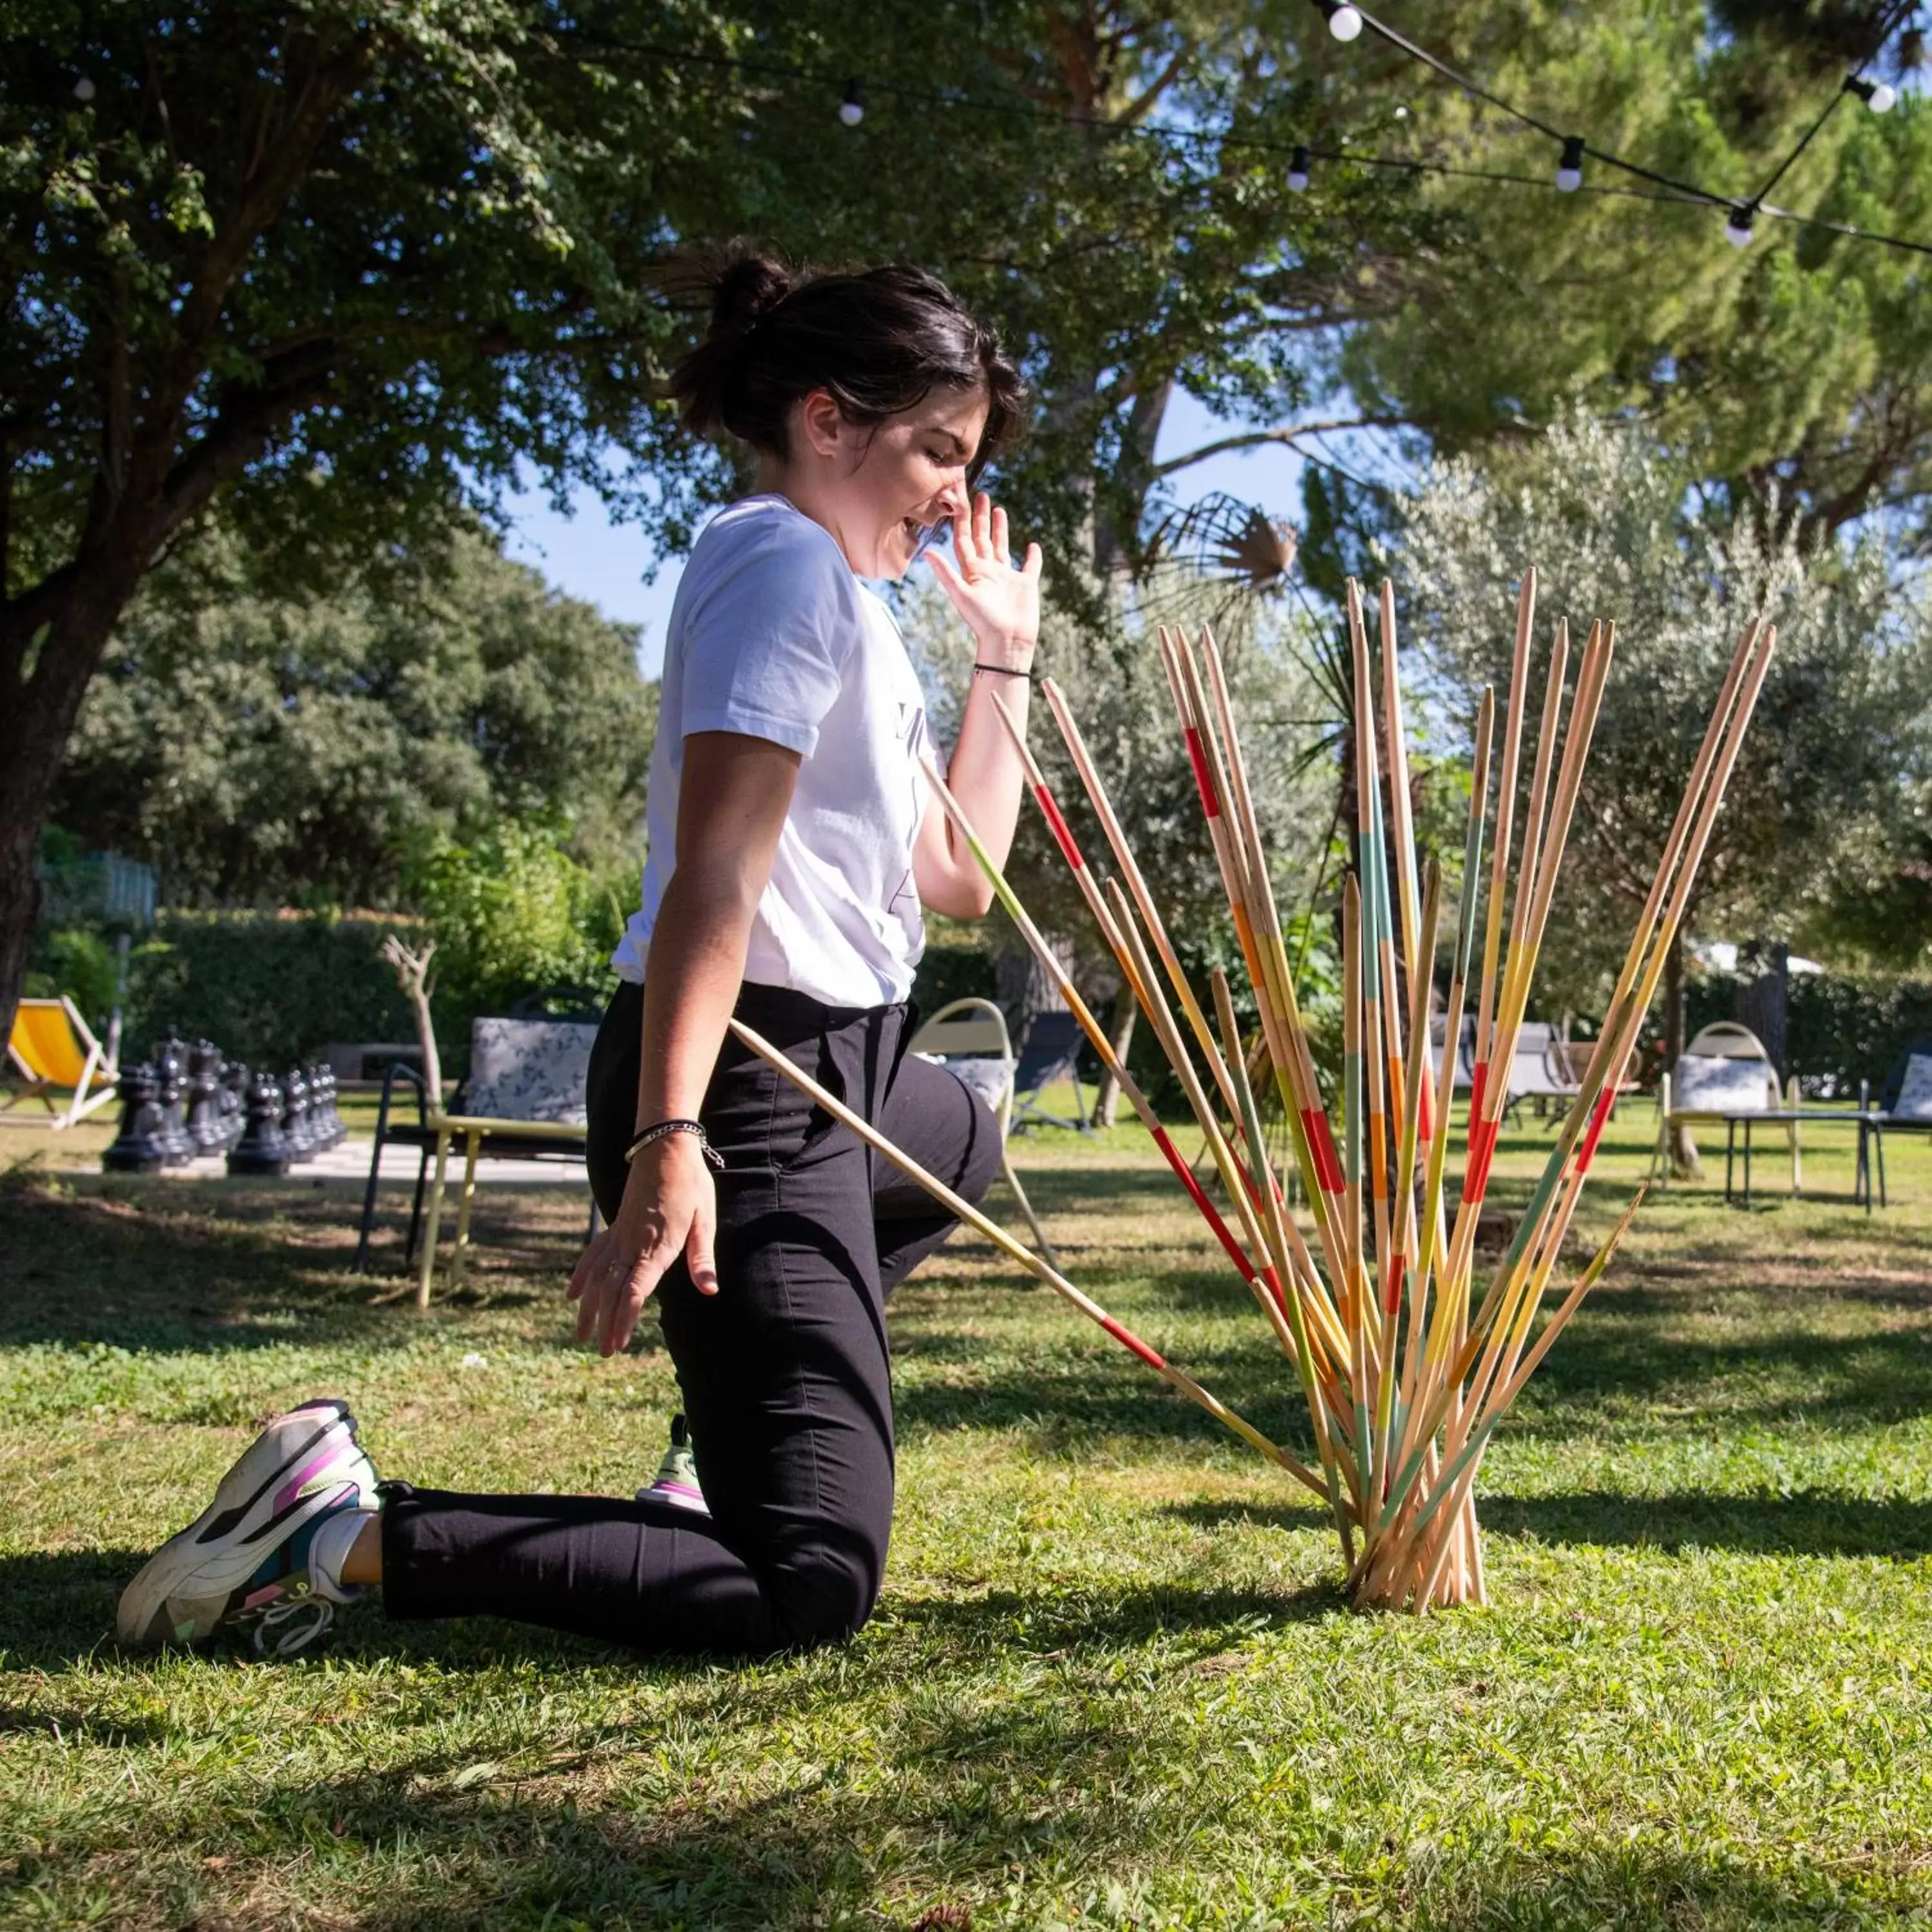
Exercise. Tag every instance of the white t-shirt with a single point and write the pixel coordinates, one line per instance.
(772, 635)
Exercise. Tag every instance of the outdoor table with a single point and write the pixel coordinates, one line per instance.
(1782, 1117)
(473, 1131)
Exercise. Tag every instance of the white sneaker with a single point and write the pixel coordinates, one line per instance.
(677, 1479)
(246, 1558)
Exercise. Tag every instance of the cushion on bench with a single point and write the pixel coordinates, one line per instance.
(1705, 1083)
(529, 1070)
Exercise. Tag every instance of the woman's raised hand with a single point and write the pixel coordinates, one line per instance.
(1001, 604)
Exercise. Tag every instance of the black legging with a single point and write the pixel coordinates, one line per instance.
(785, 1372)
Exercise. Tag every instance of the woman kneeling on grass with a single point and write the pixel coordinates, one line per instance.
(785, 779)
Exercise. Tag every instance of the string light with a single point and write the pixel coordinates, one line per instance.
(1664, 188)
(1570, 169)
(1879, 96)
(1297, 171)
(852, 109)
(1738, 228)
(1344, 21)
(84, 89)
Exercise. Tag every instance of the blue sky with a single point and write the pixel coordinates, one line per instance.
(587, 555)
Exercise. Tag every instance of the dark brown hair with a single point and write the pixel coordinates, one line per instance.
(878, 340)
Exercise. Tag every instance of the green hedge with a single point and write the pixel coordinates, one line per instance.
(1843, 1027)
(266, 989)
(952, 972)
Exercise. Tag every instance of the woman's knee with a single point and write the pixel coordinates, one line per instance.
(825, 1593)
(981, 1166)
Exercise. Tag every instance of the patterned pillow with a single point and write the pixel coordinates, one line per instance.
(529, 1070)
(985, 1074)
(1915, 1094)
(1704, 1083)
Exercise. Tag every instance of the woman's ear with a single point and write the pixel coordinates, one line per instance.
(822, 424)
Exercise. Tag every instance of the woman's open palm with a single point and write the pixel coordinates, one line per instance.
(1001, 604)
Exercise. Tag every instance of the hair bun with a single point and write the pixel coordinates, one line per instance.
(747, 287)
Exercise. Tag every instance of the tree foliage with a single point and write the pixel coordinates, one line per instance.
(514, 917)
(1843, 729)
(1800, 368)
(339, 264)
(265, 746)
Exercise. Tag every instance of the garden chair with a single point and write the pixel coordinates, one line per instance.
(1050, 1053)
(969, 1039)
(1724, 1077)
(55, 1051)
(1537, 1071)
(523, 1100)
(1905, 1106)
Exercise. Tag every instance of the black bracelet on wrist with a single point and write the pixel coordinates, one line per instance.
(1008, 670)
(644, 1136)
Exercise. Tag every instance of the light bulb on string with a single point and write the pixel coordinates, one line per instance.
(1570, 169)
(1738, 228)
(1344, 21)
(852, 109)
(84, 89)
(1297, 171)
(1879, 96)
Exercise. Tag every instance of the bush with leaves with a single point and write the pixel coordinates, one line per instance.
(513, 916)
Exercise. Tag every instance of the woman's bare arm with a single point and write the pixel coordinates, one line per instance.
(733, 797)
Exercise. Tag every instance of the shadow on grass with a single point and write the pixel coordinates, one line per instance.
(1807, 1523)
(196, 1268)
(1630, 1344)
(987, 1799)
(57, 1608)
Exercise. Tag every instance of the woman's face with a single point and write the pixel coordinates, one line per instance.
(881, 489)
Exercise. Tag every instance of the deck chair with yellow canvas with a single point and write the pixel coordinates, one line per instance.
(53, 1049)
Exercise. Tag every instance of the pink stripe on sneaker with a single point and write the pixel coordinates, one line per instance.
(289, 1490)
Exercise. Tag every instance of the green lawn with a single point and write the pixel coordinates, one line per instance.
(1112, 1681)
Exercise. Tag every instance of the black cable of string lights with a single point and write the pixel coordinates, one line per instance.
(1852, 85)
(1664, 188)
(1346, 22)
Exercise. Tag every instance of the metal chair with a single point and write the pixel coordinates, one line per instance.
(982, 1041)
(1724, 1076)
(1050, 1052)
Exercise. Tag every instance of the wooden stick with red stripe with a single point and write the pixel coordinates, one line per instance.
(1016, 1250)
(1137, 886)
(1096, 1035)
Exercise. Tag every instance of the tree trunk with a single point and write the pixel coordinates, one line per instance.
(1107, 1101)
(1684, 1161)
(47, 664)
(1764, 1002)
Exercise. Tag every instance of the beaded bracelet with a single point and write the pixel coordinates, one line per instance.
(645, 1136)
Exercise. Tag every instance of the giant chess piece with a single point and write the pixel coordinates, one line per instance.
(262, 1150)
(137, 1148)
(335, 1129)
(204, 1098)
(295, 1128)
(233, 1100)
(171, 1065)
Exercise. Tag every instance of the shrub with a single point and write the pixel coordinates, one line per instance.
(269, 989)
(513, 916)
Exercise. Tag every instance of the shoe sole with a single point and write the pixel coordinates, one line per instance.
(262, 1491)
(681, 1495)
